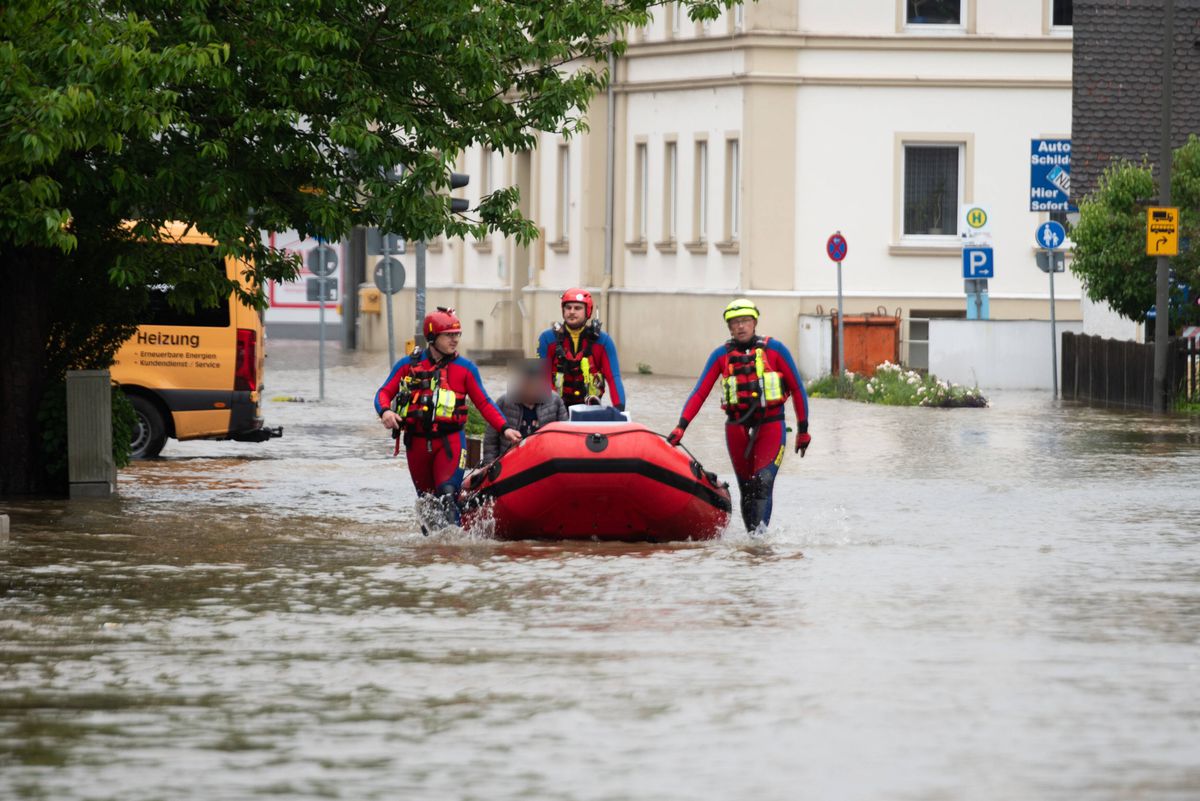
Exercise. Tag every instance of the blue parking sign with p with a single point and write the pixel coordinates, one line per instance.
(978, 263)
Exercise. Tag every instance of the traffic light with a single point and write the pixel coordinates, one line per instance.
(459, 205)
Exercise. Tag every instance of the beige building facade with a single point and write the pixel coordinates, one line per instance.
(740, 145)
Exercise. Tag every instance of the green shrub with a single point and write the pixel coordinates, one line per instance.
(892, 385)
(475, 422)
(644, 368)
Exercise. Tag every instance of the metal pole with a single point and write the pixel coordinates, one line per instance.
(387, 285)
(1053, 328)
(841, 329)
(356, 265)
(321, 337)
(610, 171)
(420, 337)
(1162, 310)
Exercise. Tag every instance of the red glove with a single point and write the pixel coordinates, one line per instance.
(675, 436)
(803, 440)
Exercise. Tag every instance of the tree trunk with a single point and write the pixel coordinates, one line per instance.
(26, 298)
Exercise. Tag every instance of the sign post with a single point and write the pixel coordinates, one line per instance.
(978, 265)
(978, 262)
(1051, 236)
(419, 339)
(322, 262)
(385, 278)
(836, 249)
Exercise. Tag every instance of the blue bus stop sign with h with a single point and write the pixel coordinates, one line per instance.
(978, 263)
(1050, 235)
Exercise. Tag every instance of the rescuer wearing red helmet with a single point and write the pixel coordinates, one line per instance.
(425, 396)
(581, 360)
(757, 375)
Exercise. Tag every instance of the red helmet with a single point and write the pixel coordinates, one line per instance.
(579, 295)
(442, 321)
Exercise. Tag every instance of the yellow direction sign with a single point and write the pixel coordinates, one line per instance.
(1162, 231)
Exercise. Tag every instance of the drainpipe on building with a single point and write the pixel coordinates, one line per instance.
(610, 157)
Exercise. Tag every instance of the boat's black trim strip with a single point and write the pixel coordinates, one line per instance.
(640, 467)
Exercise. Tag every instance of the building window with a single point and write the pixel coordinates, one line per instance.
(700, 187)
(739, 18)
(733, 200)
(933, 12)
(674, 17)
(641, 191)
(563, 210)
(932, 184)
(670, 184)
(1061, 14)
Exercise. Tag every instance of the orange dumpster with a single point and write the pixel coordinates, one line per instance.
(871, 339)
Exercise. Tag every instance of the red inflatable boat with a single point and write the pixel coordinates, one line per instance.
(597, 481)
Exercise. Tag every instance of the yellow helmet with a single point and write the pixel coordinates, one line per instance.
(742, 307)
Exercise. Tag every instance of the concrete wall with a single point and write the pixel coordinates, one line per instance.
(994, 354)
(1100, 320)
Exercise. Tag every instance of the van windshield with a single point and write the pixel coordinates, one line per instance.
(160, 312)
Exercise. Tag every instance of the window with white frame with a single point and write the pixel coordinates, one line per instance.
(932, 189)
(675, 17)
(733, 199)
(670, 187)
(563, 210)
(700, 190)
(739, 17)
(933, 12)
(1062, 13)
(641, 191)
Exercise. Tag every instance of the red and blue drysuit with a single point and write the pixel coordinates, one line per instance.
(756, 381)
(432, 406)
(581, 365)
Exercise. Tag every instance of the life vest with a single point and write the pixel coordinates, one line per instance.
(750, 391)
(426, 404)
(576, 378)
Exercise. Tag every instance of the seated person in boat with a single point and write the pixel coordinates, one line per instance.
(581, 360)
(527, 406)
(425, 396)
(757, 376)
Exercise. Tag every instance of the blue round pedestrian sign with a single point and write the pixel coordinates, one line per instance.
(1050, 235)
(836, 247)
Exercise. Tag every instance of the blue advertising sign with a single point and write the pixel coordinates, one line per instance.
(978, 263)
(1050, 175)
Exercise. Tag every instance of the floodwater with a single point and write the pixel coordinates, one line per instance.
(969, 604)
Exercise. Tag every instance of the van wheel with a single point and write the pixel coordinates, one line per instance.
(150, 432)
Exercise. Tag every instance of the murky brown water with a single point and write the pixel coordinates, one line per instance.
(976, 604)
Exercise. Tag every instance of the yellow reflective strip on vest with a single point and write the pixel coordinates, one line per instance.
(771, 382)
(589, 380)
(445, 401)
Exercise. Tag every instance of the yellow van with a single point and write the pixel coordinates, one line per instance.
(195, 375)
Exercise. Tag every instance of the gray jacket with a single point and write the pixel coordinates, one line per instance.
(551, 411)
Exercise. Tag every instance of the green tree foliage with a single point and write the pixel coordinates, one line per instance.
(1110, 237)
(237, 117)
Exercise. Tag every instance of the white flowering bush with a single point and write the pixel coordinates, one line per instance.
(892, 385)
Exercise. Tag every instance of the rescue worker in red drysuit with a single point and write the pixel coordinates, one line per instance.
(757, 376)
(581, 360)
(425, 395)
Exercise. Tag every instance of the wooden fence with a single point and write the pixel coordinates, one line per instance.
(1112, 372)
